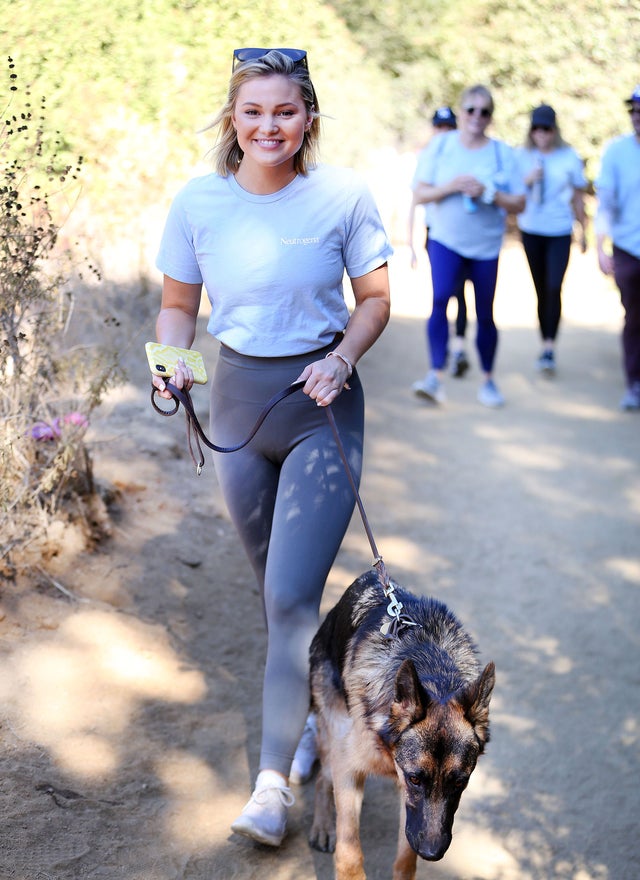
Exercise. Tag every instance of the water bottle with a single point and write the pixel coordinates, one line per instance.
(537, 190)
(469, 204)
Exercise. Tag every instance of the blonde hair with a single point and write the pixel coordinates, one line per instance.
(226, 152)
(481, 90)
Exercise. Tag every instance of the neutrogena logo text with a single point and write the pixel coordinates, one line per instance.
(304, 241)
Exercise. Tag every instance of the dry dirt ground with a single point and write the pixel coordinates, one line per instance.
(130, 681)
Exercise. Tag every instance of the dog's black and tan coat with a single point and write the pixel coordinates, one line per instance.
(415, 707)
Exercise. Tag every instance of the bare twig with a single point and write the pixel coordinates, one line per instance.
(59, 586)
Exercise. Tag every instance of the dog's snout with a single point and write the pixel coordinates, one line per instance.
(431, 849)
(434, 852)
(430, 840)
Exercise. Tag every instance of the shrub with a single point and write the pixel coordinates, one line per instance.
(48, 386)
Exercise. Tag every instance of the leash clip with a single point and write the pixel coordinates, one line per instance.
(392, 629)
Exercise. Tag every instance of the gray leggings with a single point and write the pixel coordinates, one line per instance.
(290, 500)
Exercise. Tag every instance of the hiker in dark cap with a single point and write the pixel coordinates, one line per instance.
(618, 223)
(554, 177)
(443, 120)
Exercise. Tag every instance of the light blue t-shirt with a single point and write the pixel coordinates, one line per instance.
(273, 265)
(477, 235)
(618, 190)
(563, 172)
(428, 206)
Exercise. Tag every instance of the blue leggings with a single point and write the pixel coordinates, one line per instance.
(290, 500)
(447, 269)
(461, 314)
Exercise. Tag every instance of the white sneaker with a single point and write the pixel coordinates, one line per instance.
(264, 818)
(306, 756)
(430, 388)
(489, 395)
(631, 398)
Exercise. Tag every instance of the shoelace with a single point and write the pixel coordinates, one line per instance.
(263, 795)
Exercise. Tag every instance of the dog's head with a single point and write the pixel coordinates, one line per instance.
(435, 745)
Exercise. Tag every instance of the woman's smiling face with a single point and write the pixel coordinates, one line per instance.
(270, 119)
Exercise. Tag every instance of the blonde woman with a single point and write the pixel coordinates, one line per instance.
(270, 234)
(472, 182)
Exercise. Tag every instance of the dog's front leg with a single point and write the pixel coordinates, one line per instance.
(323, 829)
(404, 867)
(348, 792)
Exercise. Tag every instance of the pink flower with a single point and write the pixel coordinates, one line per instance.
(53, 430)
(76, 418)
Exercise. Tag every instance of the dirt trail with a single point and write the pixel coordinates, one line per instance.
(131, 690)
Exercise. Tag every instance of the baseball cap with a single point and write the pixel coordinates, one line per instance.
(543, 115)
(444, 116)
(635, 96)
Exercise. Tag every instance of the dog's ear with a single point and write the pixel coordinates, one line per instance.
(411, 701)
(474, 699)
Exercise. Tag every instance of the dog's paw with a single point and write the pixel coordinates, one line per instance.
(323, 837)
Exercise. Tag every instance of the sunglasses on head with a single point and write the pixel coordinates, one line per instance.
(541, 128)
(299, 56)
(481, 111)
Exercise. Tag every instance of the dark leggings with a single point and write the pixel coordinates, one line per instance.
(290, 500)
(448, 269)
(627, 275)
(548, 257)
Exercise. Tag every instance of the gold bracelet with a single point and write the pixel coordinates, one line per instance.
(345, 361)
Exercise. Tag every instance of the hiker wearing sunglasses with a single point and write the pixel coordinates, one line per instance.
(553, 174)
(270, 234)
(472, 182)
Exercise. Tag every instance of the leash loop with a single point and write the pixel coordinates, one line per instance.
(181, 396)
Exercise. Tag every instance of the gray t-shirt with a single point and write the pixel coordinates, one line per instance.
(273, 265)
(477, 235)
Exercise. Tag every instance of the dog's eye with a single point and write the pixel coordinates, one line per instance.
(414, 779)
(459, 781)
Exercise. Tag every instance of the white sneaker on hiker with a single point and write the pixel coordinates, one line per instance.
(306, 756)
(264, 817)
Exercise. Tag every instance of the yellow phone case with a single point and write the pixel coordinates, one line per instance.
(163, 358)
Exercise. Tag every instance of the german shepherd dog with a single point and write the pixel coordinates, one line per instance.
(415, 707)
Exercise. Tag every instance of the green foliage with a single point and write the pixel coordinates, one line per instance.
(380, 66)
(133, 84)
(47, 389)
(582, 59)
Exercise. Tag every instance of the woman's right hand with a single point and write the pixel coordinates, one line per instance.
(468, 185)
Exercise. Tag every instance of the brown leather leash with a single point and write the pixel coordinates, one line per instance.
(181, 396)
(398, 620)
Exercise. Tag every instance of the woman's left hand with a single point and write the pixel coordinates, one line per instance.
(324, 379)
(182, 378)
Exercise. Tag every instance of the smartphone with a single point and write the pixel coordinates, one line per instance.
(163, 359)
